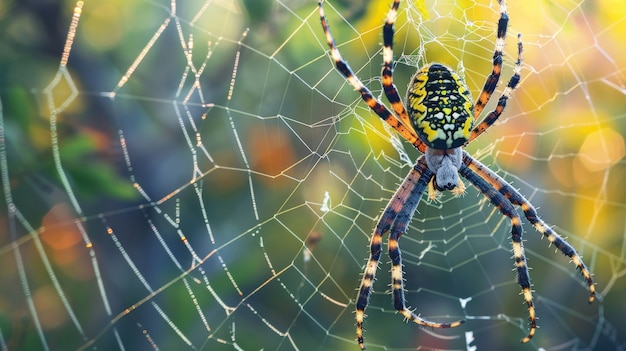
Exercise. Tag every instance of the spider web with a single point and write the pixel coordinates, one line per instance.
(196, 175)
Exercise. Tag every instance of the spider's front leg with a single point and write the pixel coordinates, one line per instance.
(531, 215)
(504, 196)
(395, 218)
(506, 208)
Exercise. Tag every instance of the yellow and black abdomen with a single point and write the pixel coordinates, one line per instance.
(440, 107)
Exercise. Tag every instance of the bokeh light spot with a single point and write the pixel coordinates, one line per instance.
(601, 149)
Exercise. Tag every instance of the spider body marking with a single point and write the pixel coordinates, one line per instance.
(440, 107)
(438, 121)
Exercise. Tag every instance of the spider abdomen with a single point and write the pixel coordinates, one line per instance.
(440, 107)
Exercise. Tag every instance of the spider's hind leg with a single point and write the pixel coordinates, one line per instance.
(391, 92)
(401, 126)
(492, 80)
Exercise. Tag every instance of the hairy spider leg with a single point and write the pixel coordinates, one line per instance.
(506, 208)
(391, 92)
(406, 131)
(493, 78)
(531, 215)
(396, 217)
(398, 228)
(506, 94)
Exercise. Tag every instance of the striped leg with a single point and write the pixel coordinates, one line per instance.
(506, 208)
(494, 77)
(396, 217)
(406, 131)
(531, 215)
(391, 92)
(399, 227)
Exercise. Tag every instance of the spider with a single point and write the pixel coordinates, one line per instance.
(438, 121)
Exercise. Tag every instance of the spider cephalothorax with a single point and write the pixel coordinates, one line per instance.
(438, 122)
(445, 164)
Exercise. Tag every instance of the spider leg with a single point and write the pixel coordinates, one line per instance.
(494, 77)
(531, 215)
(383, 112)
(391, 92)
(506, 207)
(396, 217)
(397, 282)
(506, 94)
